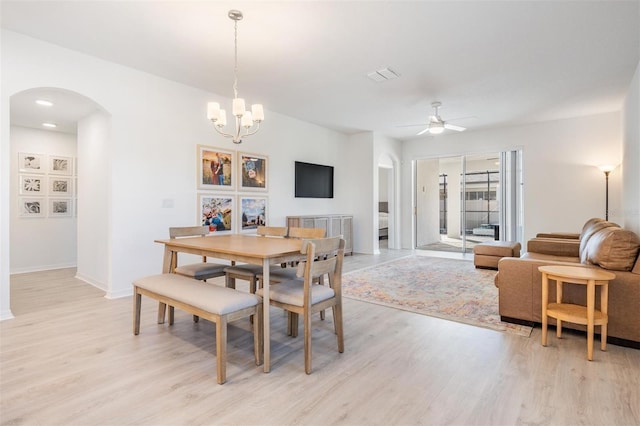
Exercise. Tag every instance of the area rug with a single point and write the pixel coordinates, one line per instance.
(444, 288)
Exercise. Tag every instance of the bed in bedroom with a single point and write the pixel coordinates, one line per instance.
(383, 220)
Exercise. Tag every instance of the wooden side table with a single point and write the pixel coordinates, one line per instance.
(578, 314)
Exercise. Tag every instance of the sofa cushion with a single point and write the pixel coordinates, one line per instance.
(590, 228)
(612, 248)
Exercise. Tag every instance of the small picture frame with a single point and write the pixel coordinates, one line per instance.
(29, 162)
(215, 168)
(60, 186)
(60, 207)
(31, 207)
(32, 185)
(253, 213)
(216, 212)
(60, 165)
(253, 171)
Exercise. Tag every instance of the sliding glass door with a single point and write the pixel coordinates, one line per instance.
(465, 200)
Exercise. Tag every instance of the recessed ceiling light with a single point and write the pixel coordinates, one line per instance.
(44, 102)
(50, 125)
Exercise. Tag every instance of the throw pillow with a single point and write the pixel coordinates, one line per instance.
(613, 248)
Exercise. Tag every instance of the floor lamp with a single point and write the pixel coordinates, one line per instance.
(606, 169)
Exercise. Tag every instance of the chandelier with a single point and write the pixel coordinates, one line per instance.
(247, 120)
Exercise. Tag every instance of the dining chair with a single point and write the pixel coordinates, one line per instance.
(285, 273)
(322, 256)
(295, 232)
(200, 271)
(250, 272)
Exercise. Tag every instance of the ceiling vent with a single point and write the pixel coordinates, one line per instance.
(383, 75)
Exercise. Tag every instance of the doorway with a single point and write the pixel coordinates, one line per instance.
(386, 235)
(465, 200)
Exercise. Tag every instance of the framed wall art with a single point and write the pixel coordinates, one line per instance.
(215, 168)
(60, 207)
(60, 165)
(253, 172)
(32, 185)
(253, 213)
(60, 186)
(31, 163)
(31, 207)
(216, 212)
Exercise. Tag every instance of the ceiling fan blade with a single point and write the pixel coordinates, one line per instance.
(454, 127)
(422, 132)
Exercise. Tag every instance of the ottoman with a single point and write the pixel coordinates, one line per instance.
(486, 255)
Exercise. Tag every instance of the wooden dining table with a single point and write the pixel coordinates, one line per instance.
(253, 249)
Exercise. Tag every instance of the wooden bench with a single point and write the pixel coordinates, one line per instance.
(217, 304)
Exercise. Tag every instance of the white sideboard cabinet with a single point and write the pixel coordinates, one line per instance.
(333, 224)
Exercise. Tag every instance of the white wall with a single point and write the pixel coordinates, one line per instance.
(148, 156)
(361, 172)
(383, 183)
(631, 156)
(428, 202)
(40, 243)
(562, 185)
(94, 194)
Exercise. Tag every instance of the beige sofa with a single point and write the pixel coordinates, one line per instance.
(601, 244)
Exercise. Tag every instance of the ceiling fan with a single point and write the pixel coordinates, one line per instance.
(436, 124)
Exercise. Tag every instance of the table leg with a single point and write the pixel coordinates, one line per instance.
(604, 303)
(558, 300)
(545, 301)
(265, 315)
(591, 301)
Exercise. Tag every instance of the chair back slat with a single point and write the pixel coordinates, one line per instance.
(188, 231)
(272, 231)
(324, 255)
(295, 232)
(318, 267)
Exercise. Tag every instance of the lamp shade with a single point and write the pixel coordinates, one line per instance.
(222, 121)
(213, 111)
(607, 168)
(247, 120)
(238, 107)
(258, 112)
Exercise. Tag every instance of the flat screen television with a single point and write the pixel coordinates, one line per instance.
(313, 180)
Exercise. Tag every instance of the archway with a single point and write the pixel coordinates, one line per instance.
(44, 178)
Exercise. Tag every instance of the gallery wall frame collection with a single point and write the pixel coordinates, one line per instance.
(46, 185)
(232, 188)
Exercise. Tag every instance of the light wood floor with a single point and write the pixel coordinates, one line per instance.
(69, 358)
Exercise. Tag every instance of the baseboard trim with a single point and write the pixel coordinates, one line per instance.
(610, 339)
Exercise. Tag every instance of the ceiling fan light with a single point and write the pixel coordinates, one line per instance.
(436, 128)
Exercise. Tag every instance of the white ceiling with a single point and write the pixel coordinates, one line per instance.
(500, 63)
